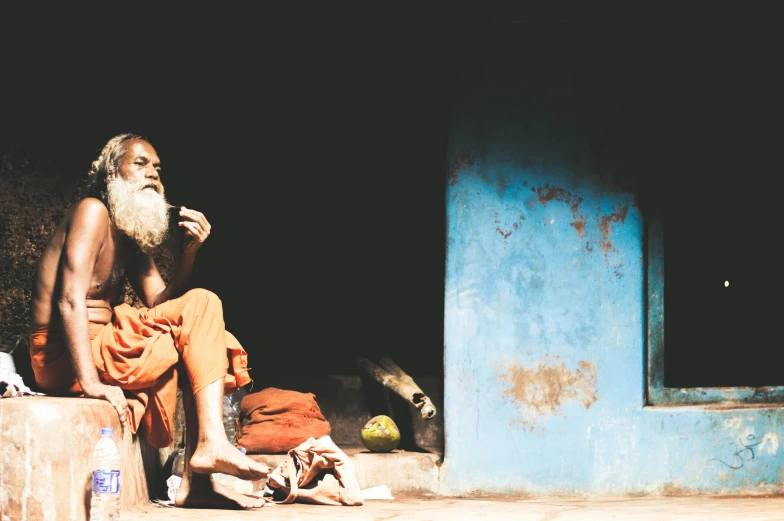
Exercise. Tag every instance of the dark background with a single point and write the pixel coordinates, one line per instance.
(315, 143)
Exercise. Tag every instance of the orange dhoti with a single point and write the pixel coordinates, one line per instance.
(139, 351)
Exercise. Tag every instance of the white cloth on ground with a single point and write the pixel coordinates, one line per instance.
(12, 386)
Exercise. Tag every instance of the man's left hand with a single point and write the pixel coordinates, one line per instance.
(197, 228)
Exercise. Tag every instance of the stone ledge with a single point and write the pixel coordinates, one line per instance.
(46, 445)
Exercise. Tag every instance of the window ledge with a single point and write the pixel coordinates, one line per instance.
(717, 397)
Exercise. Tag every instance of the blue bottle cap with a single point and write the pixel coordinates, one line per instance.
(107, 431)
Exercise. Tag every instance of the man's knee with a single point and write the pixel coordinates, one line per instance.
(203, 299)
(201, 294)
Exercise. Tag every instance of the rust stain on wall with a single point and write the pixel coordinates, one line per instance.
(542, 390)
(506, 233)
(605, 225)
(503, 233)
(462, 160)
(549, 193)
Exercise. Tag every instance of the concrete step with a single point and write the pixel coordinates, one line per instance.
(402, 471)
(46, 445)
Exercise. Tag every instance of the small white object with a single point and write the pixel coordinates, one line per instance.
(14, 384)
(7, 363)
(174, 484)
(379, 492)
(726, 284)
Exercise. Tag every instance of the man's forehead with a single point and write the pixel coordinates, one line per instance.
(139, 147)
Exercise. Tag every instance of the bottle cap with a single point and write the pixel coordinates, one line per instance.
(107, 431)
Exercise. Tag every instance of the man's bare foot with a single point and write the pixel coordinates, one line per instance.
(202, 492)
(223, 457)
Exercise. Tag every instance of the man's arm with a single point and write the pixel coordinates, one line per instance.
(85, 236)
(145, 278)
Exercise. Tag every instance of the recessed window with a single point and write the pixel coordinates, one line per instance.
(714, 308)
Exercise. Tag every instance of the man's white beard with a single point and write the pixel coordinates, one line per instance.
(142, 213)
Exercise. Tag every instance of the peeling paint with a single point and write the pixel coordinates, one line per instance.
(506, 233)
(543, 390)
(502, 233)
(462, 160)
(549, 193)
(769, 443)
(605, 227)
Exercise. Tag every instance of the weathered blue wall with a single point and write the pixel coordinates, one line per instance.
(545, 315)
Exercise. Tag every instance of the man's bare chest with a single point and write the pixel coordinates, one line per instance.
(109, 274)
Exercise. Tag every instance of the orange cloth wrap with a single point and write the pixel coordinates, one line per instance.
(139, 351)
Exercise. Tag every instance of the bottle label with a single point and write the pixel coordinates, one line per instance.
(106, 481)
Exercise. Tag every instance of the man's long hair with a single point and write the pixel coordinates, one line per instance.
(108, 161)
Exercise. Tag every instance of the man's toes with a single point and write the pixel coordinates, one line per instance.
(259, 471)
(251, 503)
(262, 469)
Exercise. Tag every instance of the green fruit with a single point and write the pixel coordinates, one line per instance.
(380, 434)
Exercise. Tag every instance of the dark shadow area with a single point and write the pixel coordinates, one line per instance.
(720, 205)
(316, 147)
(317, 150)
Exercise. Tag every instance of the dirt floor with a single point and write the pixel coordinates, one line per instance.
(545, 509)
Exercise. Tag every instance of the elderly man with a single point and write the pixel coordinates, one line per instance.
(84, 343)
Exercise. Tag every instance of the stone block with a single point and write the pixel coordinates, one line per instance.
(46, 445)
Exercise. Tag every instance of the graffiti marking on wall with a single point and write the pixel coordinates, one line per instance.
(743, 455)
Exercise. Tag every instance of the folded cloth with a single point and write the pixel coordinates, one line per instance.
(142, 350)
(279, 420)
(315, 472)
(12, 386)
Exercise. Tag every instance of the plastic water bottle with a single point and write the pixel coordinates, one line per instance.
(105, 498)
(231, 416)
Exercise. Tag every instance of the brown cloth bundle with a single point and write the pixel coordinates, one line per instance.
(279, 420)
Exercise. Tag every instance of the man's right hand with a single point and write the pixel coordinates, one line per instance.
(112, 394)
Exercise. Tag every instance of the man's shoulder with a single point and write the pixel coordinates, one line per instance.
(89, 210)
(90, 205)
